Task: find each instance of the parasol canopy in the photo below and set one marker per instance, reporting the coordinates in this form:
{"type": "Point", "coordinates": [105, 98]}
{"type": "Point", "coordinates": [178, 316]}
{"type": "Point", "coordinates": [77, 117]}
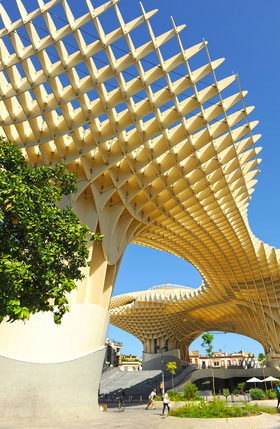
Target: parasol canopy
{"type": "Point", "coordinates": [254, 380]}
{"type": "Point", "coordinates": [270, 378]}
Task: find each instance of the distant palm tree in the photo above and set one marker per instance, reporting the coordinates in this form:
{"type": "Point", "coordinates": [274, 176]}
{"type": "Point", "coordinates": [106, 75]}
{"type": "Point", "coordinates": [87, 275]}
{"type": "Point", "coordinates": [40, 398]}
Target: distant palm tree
{"type": "Point", "coordinates": [262, 360]}
{"type": "Point", "coordinates": [207, 344]}
{"type": "Point", "coordinates": [171, 366]}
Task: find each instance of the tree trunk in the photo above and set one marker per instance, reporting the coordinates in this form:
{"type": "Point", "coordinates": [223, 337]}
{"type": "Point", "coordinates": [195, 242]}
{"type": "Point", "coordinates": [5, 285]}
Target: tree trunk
{"type": "Point", "coordinates": [264, 378]}
{"type": "Point", "coordinates": [213, 380]}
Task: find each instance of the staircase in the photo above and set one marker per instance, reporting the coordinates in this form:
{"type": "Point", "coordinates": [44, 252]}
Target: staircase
{"type": "Point", "coordinates": [137, 383]}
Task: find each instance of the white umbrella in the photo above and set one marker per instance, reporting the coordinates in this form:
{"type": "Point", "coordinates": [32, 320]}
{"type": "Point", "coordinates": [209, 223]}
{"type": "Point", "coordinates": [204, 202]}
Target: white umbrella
{"type": "Point", "coordinates": [271, 379]}
{"type": "Point", "coordinates": [254, 380]}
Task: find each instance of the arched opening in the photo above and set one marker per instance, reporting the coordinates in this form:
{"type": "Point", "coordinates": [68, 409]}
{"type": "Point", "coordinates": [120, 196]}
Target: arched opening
{"type": "Point", "coordinates": [227, 342]}
{"type": "Point", "coordinates": [140, 269]}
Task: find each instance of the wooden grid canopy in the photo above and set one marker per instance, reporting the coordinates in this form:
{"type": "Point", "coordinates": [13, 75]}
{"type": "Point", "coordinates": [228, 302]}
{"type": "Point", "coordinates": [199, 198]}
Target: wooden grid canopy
{"type": "Point", "coordinates": [163, 159]}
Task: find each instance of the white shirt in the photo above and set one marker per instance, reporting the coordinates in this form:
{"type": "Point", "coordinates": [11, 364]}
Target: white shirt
{"type": "Point", "coordinates": [166, 398]}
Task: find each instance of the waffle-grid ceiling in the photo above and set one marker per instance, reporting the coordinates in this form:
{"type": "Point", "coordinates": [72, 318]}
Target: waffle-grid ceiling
{"type": "Point", "coordinates": [156, 133]}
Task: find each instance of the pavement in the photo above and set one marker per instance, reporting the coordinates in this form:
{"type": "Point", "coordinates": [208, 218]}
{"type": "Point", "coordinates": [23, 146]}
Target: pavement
{"type": "Point", "coordinates": [136, 416]}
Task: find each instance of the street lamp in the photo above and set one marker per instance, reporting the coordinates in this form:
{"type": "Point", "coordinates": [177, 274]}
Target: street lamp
{"type": "Point", "coordinates": [162, 365]}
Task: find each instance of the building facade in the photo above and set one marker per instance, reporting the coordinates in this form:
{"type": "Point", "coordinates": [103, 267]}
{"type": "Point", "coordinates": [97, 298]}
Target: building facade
{"type": "Point", "coordinates": [224, 360]}
{"type": "Point", "coordinates": [129, 363]}
{"type": "Point", "coordinates": [112, 354]}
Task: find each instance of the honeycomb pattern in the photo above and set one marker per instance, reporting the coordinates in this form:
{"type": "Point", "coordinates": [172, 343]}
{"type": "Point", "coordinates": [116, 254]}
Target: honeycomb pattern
{"type": "Point", "coordinates": [163, 159]}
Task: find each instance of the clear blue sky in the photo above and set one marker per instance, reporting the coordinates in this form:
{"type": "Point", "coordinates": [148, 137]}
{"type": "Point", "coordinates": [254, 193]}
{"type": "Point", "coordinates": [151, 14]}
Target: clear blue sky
{"type": "Point", "coordinates": [246, 33]}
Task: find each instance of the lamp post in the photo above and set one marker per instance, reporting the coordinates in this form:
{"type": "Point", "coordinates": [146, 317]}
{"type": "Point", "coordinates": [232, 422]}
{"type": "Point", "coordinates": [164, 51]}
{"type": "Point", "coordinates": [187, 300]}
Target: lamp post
{"type": "Point", "coordinates": [162, 365]}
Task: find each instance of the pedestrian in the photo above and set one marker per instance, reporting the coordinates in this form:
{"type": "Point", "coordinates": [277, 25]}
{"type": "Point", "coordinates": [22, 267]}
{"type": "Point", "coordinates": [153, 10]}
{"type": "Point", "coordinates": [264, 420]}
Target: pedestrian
{"type": "Point", "coordinates": [165, 403]}
{"type": "Point", "coordinates": [152, 396]}
{"type": "Point", "coordinates": [122, 396]}
{"type": "Point", "coordinates": [278, 395]}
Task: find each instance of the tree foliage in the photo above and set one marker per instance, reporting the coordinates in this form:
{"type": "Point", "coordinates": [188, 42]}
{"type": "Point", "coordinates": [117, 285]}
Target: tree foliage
{"type": "Point", "coordinates": [42, 246]}
{"type": "Point", "coordinates": [207, 343]}
{"type": "Point", "coordinates": [190, 390]}
{"type": "Point", "coordinates": [171, 367]}
{"type": "Point", "coordinates": [262, 359]}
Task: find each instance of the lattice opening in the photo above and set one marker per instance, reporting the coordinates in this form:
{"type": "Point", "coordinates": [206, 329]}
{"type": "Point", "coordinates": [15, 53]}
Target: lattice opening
{"type": "Point", "coordinates": [120, 48]}
{"type": "Point", "coordinates": [111, 84]}
{"type": "Point", "coordinates": [100, 59]}
{"type": "Point", "coordinates": [130, 73]}
{"type": "Point", "coordinates": [140, 35]}
{"type": "Point", "coordinates": [58, 16]}
{"type": "Point", "coordinates": [150, 61]}
{"type": "Point", "coordinates": [8, 44]}
{"type": "Point", "coordinates": [89, 32]}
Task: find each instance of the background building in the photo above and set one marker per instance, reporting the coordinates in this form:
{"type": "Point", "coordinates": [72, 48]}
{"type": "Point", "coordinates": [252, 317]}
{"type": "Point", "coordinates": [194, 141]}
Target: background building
{"type": "Point", "coordinates": [221, 359]}
{"type": "Point", "coordinates": [129, 363]}
{"type": "Point", "coordinates": [112, 353]}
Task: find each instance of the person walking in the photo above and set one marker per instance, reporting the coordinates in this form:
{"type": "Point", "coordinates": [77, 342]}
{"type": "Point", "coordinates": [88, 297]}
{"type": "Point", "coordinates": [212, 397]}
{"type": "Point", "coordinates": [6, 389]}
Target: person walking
{"type": "Point", "coordinates": [165, 403]}
{"type": "Point", "coordinates": [278, 395]}
{"type": "Point", "coordinates": [152, 396]}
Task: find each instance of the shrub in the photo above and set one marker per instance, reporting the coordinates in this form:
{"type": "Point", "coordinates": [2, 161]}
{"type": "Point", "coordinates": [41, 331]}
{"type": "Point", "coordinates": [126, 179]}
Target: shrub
{"type": "Point", "coordinates": [175, 396]}
{"type": "Point", "coordinates": [226, 393]}
{"type": "Point", "coordinates": [262, 409]}
{"type": "Point", "coordinates": [159, 397]}
{"type": "Point", "coordinates": [218, 409]}
{"type": "Point", "coordinates": [236, 391]}
{"type": "Point", "coordinates": [190, 390]}
{"type": "Point", "coordinates": [270, 394]}
{"type": "Point", "coordinates": [257, 394]}
{"type": "Point", "coordinates": [241, 386]}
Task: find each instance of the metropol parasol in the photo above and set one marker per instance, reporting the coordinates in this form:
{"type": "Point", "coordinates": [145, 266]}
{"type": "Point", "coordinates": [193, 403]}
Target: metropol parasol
{"type": "Point", "coordinates": [162, 160]}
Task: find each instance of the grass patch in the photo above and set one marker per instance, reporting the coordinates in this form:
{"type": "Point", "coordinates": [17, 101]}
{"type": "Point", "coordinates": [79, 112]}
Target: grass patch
{"type": "Point", "coordinates": [219, 409]}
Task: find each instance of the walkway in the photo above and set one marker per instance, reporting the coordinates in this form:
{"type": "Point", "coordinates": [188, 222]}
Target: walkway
{"type": "Point", "coordinates": [137, 417]}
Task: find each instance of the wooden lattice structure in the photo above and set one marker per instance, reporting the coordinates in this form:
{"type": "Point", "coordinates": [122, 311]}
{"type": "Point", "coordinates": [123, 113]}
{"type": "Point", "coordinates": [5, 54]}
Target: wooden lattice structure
{"type": "Point", "coordinates": [162, 160]}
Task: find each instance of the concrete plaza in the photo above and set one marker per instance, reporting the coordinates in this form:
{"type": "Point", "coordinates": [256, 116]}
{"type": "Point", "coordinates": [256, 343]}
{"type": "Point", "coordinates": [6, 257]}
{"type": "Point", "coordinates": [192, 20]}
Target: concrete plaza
{"type": "Point", "coordinates": [136, 417]}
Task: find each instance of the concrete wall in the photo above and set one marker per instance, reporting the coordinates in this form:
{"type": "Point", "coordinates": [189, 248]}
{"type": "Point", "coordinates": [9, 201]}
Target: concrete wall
{"type": "Point", "coordinates": [49, 374]}
{"type": "Point", "coordinates": [154, 360]}
{"type": "Point", "coordinates": [273, 360]}
{"type": "Point", "coordinates": [40, 340]}
{"type": "Point", "coordinates": [37, 395]}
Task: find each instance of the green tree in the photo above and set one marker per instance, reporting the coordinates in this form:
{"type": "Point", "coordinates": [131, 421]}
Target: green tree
{"type": "Point", "coordinates": [171, 367]}
{"type": "Point", "coordinates": [262, 360]}
{"type": "Point", "coordinates": [190, 390]}
{"type": "Point", "coordinates": [207, 344]}
{"type": "Point", "coordinates": [257, 393]}
{"type": "Point", "coordinates": [226, 393]}
{"type": "Point", "coordinates": [241, 386]}
{"type": "Point", "coordinates": [42, 246]}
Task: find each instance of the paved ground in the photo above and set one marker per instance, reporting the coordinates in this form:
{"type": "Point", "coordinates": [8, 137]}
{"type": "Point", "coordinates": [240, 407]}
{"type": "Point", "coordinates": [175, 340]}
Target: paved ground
{"type": "Point", "coordinates": [136, 417]}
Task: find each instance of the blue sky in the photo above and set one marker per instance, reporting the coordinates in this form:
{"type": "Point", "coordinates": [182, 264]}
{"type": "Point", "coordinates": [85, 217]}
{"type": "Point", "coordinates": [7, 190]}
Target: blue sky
{"type": "Point", "coordinates": [246, 34]}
